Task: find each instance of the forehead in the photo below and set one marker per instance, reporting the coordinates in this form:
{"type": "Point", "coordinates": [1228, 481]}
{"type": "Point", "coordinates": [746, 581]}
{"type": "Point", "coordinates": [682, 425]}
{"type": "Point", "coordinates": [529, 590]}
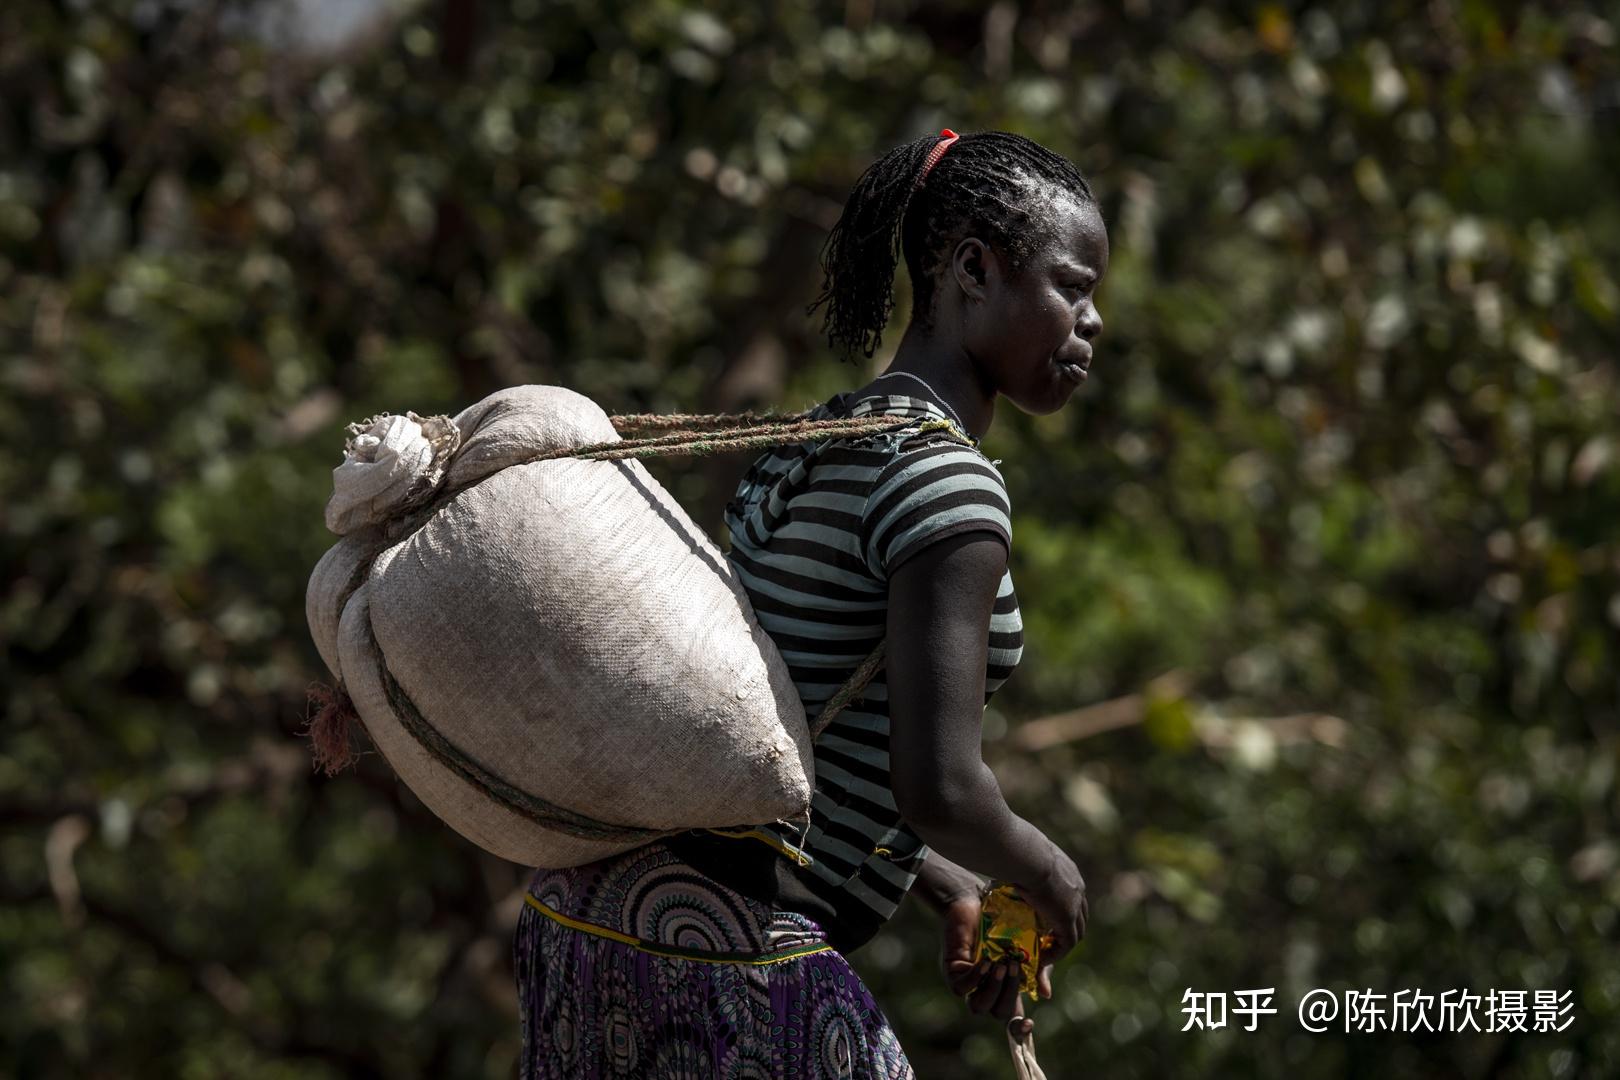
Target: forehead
{"type": "Point", "coordinates": [1074, 236]}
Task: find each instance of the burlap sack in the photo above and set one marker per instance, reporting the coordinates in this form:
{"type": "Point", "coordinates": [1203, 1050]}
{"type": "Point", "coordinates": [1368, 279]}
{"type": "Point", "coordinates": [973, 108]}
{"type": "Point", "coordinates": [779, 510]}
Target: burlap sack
{"type": "Point", "coordinates": [557, 661]}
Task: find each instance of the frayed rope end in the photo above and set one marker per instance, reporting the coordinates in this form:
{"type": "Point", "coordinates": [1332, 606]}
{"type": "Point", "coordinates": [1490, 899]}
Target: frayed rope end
{"type": "Point", "coordinates": [332, 728]}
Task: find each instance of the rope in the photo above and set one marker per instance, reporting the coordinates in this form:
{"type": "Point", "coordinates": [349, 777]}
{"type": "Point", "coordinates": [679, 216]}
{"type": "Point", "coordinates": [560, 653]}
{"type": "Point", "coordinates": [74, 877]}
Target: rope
{"type": "Point", "coordinates": [546, 814]}
{"type": "Point", "coordinates": [772, 433]}
{"type": "Point", "coordinates": [864, 673]}
{"type": "Point", "coordinates": [1022, 1046]}
{"type": "Point", "coordinates": [629, 422]}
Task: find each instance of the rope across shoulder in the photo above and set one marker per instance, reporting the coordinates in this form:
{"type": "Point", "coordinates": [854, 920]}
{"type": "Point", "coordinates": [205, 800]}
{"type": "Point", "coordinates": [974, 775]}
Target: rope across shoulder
{"type": "Point", "coordinates": [725, 433]}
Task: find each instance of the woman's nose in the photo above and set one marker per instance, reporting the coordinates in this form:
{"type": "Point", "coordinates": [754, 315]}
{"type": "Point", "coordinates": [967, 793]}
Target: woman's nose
{"type": "Point", "coordinates": [1090, 324]}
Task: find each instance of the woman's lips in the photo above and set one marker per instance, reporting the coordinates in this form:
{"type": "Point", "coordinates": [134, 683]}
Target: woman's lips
{"type": "Point", "coordinates": [1076, 363]}
{"type": "Point", "coordinates": [1076, 371]}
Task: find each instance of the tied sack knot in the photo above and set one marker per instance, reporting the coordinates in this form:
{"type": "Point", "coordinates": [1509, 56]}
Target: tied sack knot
{"type": "Point", "coordinates": [332, 728]}
{"type": "Point", "coordinates": [391, 464]}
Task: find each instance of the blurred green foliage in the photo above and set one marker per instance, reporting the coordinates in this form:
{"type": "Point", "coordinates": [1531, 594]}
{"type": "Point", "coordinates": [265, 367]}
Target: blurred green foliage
{"type": "Point", "coordinates": [1347, 476]}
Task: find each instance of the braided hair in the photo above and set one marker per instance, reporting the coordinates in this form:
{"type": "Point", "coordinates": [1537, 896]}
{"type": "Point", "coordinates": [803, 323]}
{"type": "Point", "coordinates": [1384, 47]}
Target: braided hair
{"type": "Point", "coordinates": [992, 184]}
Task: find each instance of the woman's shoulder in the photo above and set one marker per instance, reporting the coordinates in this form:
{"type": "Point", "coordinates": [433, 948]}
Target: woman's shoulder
{"type": "Point", "coordinates": [937, 455]}
{"type": "Point", "coordinates": [930, 489]}
{"type": "Point", "coordinates": [925, 459]}
{"type": "Point", "coordinates": [934, 435]}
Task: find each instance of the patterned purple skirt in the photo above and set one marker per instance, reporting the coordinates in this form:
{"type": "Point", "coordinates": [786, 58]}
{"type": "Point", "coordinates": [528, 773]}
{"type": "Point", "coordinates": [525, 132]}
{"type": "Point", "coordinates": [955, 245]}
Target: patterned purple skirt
{"type": "Point", "coordinates": [641, 966]}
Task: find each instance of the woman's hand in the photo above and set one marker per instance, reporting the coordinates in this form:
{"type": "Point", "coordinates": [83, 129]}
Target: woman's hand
{"type": "Point", "coordinates": [1059, 898]}
{"type": "Point", "coordinates": [988, 988]}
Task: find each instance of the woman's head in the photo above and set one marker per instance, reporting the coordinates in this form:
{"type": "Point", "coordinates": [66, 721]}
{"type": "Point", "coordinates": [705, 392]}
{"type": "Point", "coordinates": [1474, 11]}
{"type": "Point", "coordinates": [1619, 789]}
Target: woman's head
{"type": "Point", "coordinates": [1002, 240]}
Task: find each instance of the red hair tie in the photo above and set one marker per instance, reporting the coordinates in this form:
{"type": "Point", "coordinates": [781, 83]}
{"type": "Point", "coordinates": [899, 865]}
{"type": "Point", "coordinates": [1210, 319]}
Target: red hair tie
{"type": "Point", "coordinates": [946, 137]}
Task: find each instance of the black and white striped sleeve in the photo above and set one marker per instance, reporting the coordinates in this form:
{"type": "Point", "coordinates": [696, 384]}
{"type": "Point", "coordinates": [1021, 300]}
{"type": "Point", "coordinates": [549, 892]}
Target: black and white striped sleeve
{"type": "Point", "coordinates": [927, 494]}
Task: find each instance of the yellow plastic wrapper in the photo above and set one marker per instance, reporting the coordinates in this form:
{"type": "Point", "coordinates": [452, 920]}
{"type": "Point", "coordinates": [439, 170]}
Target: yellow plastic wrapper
{"type": "Point", "coordinates": [1009, 929]}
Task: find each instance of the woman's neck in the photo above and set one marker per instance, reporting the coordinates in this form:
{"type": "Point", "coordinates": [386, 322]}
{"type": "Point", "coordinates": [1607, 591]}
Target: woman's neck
{"type": "Point", "coordinates": [947, 370]}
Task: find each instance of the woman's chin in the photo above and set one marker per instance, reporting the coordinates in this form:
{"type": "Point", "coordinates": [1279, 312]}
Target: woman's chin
{"type": "Point", "coordinates": [1049, 401]}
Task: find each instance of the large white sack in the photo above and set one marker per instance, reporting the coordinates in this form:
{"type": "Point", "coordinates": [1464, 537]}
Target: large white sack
{"type": "Point", "coordinates": [557, 660]}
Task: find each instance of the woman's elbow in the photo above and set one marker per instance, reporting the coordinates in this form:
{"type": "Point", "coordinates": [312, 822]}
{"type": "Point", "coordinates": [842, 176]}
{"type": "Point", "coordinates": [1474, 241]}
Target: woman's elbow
{"type": "Point", "coordinates": [939, 802]}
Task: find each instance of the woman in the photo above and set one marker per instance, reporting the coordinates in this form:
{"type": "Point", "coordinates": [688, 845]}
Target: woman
{"type": "Point", "coordinates": [721, 954]}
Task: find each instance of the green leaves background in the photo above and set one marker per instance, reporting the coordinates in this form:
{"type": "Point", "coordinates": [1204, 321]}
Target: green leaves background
{"type": "Point", "coordinates": [1346, 471]}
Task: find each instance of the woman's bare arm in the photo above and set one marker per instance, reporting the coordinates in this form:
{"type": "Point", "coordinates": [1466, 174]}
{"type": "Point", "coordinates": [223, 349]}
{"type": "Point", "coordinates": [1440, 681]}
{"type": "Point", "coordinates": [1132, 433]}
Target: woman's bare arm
{"type": "Point", "coordinates": [938, 642]}
{"type": "Point", "coordinates": [940, 603]}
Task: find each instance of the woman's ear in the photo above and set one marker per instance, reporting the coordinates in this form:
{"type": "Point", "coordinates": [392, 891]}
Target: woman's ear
{"type": "Point", "coordinates": [969, 266]}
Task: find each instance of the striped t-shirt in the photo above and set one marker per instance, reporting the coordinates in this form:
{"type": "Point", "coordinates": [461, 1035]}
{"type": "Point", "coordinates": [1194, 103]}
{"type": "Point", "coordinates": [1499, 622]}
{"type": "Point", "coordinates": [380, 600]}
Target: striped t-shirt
{"type": "Point", "coordinates": [816, 530]}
